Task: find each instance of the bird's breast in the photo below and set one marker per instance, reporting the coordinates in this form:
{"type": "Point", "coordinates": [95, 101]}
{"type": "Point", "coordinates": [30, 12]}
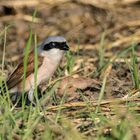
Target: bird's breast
{"type": "Point", "coordinates": [46, 70]}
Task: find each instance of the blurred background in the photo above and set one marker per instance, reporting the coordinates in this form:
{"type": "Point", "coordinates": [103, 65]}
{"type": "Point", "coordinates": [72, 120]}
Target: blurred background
{"type": "Point", "coordinates": [86, 24]}
{"type": "Point", "coordinates": [81, 22]}
{"type": "Point", "coordinates": [98, 32]}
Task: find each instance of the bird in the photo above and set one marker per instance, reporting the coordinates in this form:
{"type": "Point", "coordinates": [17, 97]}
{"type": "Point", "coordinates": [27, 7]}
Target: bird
{"type": "Point", "coordinates": [50, 53]}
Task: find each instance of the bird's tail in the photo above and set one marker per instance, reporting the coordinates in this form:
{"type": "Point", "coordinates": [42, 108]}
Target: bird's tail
{"type": "Point", "coordinates": [5, 93]}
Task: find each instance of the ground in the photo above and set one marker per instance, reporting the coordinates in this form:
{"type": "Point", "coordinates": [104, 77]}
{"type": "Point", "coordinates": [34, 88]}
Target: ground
{"type": "Point", "coordinates": [95, 92]}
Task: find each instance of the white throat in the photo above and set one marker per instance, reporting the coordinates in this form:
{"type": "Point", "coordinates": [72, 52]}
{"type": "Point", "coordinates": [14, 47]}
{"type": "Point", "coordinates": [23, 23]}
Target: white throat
{"type": "Point", "coordinates": [54, 55]}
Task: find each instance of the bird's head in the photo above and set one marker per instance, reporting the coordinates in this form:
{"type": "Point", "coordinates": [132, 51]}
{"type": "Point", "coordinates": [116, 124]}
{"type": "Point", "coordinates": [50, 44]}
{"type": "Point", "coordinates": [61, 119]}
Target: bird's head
{"type": "Point", "coordinates": [55, 45]}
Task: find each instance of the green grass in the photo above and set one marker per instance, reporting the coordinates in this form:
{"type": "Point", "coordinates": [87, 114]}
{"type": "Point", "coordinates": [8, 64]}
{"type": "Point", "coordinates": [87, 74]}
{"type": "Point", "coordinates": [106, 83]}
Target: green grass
{"type": "Point", "coordinates": [70, 62]}
{"type": "Point", "coordinates": [135, 70]}
{"type": "Point", "coordinates": [101, 51]}
{"type": "Point", "coordinates": [25, 62]}
{"type": "Point", "coordinates": [117, 119]}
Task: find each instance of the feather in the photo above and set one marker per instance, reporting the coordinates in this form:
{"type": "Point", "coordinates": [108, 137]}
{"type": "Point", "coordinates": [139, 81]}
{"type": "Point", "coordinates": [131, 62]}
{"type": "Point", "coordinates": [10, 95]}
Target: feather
{"type": "Point", "coordinates": [17, 75]}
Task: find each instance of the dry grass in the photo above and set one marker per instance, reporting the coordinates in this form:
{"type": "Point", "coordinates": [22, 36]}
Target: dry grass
{"type": "Point", "coordinates": [104, 40]}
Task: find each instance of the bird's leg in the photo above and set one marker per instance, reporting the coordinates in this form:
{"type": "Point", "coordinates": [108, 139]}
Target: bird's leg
{"type": "Point", "coordinates": [31, 96]}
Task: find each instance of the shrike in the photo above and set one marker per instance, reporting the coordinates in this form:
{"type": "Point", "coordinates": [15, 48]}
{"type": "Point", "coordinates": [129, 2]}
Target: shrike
{"type": "Point", "coordinates": [50, 53]}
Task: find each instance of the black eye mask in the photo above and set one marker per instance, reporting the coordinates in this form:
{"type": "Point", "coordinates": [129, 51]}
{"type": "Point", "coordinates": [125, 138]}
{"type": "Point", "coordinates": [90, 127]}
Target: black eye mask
{"type": "Point", "coordinates": [57, 45]}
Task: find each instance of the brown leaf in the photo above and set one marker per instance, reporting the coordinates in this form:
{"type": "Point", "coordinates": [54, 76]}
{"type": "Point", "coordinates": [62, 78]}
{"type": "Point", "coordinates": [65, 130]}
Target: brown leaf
{"type": "Point", "coordinates": [69, 85]}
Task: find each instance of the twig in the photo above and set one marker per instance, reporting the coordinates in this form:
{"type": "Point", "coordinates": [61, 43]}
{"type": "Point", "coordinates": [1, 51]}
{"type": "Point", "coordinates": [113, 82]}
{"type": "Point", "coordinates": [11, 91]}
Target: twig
{"type": "Point", "coordinates": [22, 17]}
{"type": "Point", "coordinates": [94, 104]}
{"type": "Point", "coordinates": [4, 46]}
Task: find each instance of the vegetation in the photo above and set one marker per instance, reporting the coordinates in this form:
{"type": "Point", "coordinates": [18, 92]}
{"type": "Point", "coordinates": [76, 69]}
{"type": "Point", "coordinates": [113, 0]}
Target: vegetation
{"type": "Point", "coordinates": [94, 94]}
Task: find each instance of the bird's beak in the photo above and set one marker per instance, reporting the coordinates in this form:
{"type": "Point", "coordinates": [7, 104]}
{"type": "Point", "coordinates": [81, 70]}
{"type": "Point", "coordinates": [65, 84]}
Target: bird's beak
{"type": "Point", "coordinates": [66, 47]}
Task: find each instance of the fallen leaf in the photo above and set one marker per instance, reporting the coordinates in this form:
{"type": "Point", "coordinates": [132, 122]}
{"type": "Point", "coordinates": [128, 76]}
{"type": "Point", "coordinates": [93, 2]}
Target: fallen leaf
{"type": "Point", "coordinates": [70, 85]}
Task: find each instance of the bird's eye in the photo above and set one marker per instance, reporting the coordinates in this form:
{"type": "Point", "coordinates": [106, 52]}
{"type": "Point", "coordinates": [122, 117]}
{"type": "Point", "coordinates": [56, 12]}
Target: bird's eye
{"type": "Point", "coordinates": [53, 44]}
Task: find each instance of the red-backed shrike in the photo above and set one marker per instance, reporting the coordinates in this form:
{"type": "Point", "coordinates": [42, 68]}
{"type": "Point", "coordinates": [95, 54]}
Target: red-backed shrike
{"type": "Point", "coordinates": [50, 53]}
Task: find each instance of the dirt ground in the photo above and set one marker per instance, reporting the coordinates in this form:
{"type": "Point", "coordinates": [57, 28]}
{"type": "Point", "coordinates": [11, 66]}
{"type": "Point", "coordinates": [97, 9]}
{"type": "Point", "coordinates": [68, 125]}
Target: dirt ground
{"type": "Point", "coordinates": [91, 28]}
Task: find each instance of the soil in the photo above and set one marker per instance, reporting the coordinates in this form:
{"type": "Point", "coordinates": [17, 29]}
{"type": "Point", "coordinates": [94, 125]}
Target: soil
{"type": "Point", "coordinates": [83, 24]}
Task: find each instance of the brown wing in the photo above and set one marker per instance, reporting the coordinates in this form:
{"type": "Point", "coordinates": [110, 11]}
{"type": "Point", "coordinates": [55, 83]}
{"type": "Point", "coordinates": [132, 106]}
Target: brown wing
{"type": "Point", "coordinates": [17, 75]}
